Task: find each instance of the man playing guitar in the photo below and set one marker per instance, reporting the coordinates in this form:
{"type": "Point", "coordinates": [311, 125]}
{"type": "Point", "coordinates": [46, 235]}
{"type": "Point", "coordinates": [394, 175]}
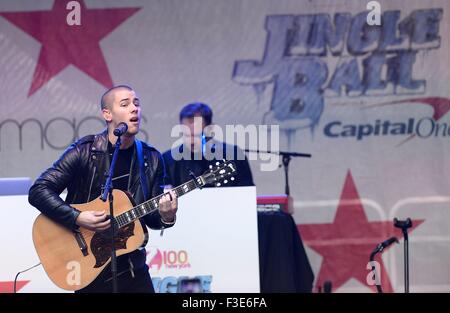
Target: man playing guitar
{"type": "Point", "coordinates": [81, 170]}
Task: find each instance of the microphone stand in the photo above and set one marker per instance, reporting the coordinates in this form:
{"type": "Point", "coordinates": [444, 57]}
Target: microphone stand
{"type": "Point", "coordinates": [404, 225]}
{"type": "Point", "coordinates": [286, 158]}
{"type": "Point", "coordinates": [107, 194]}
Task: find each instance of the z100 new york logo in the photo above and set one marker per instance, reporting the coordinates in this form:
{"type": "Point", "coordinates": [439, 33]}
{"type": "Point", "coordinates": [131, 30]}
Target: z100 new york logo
{"type": "Point", "coordinates": [175, 262]}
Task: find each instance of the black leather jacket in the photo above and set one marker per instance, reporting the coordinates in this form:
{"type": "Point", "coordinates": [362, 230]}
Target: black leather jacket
{"type": "Point", "coordinates": [81, 169]}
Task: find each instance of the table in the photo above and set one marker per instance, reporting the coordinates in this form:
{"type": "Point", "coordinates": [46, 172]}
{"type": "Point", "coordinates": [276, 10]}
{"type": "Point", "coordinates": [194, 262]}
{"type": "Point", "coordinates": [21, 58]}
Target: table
{"type": "Point", "coordinates": [283, 263]}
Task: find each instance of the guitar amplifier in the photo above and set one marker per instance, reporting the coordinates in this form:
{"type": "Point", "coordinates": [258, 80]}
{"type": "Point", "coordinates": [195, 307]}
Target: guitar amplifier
{"type": "Point", "coordinates": [273, 203]}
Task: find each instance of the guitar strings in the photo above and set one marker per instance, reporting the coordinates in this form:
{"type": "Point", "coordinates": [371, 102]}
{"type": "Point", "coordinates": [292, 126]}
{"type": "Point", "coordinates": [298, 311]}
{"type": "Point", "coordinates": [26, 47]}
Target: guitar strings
{"type": "Point", "coordinates": [88, 234]}
{"type": "Point", "coordinates": [179, 191]}
{"type": "Point", "coordinates": [91, 233]}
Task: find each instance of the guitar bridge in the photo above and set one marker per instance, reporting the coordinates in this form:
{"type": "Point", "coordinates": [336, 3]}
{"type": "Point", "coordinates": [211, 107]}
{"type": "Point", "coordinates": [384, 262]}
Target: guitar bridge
{"type": "Point", "coordinates": [81, 242]}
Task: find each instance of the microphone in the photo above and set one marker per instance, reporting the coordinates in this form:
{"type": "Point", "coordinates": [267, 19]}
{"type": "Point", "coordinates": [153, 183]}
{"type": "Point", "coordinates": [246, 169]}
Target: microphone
{"type": "Point", "coordinates": [380, 247]}
{"type": "Point", "coordinates": [120, 129]}
{"type": "Point", "coordinates": [388, 242]}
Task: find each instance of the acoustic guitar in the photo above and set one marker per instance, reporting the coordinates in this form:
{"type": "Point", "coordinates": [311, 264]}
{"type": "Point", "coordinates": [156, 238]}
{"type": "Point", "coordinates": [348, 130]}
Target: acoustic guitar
{"type": "Point", "coordinates": [73, 259]}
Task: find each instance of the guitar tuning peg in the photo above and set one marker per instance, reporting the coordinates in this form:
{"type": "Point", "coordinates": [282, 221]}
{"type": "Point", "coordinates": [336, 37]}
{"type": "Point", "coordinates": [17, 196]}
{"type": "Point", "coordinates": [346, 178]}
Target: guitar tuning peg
{"type": "Point", "coordinates": [217, 163]}
{"type": "Point", "coordinates": [218, 185]}
{"type": "Point", "coordinates": [210, 167]}
{"type": "Point", "coordinates": [225, 181]}
{"type": "Point", "coordinates": [232, 178]}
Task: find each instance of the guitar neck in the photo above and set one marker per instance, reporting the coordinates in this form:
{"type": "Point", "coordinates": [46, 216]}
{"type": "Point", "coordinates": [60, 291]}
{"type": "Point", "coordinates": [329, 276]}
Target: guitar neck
{"type": "Point", "coordinates": [152, 205]}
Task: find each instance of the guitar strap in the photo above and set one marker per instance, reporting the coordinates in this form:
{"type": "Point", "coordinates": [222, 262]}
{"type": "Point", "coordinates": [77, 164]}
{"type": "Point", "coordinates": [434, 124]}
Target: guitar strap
{"type": "Point", "coordinates": [140, 157]}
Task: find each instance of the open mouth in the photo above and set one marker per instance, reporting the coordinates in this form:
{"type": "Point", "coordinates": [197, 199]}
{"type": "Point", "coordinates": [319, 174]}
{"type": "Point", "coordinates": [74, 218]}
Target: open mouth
{"type": "Point", "coordinates": [134, 120]}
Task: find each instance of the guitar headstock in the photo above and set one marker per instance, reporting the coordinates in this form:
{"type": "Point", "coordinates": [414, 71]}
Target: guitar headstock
{"type": "Point", "coordinates": [220, 173]}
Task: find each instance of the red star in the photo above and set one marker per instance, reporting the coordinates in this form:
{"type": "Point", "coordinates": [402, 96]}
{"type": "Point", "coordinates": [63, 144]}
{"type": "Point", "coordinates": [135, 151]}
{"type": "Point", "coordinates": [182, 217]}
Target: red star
{"type": "Point", "coordinates": [8, 286]}
{"type": "Point", "coordinates": [346, 244]}
{"type": "Point", "coordinates": [63, 44]}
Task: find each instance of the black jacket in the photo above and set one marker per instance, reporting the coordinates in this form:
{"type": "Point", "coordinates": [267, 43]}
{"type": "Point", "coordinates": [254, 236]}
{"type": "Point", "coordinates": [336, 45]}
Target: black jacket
{"type": "Point", "coordinates": [178, 170]}
{"type": "Point", "coordinates": [81, 169]}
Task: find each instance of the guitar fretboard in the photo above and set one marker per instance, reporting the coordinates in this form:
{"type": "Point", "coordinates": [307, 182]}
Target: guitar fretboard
{"type": "Point", "coordinates": [152, 205]}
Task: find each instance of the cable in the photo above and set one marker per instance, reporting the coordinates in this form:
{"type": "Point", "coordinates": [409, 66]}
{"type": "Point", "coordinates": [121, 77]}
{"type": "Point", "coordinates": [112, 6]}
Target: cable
{"type": "Point", "coordinates": [17, 275]}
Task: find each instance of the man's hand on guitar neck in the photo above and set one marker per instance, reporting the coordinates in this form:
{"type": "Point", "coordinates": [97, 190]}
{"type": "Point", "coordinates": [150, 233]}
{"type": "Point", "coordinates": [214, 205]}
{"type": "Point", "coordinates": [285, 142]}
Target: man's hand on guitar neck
{"type": "Point", "coordinates": [168, 206]}
{"type": "Point", "coordinates": [99, 220]}
{"type": "Point", "coordinates": [93, 220]}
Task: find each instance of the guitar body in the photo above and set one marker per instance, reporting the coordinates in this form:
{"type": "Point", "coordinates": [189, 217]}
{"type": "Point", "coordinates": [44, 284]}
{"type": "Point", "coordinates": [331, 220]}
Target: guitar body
{"type": "Point", "coordinates": [72, 260]}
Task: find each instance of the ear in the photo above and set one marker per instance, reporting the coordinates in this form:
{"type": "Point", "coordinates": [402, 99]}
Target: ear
{"type": "Point", "coordinates": [107, 115]}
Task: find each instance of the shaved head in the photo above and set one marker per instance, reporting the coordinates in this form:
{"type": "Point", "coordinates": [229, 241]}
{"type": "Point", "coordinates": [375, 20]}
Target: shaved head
{"type": "Point", "coordinates": [120, 104]}
{"type": "Point", "coordinates": [108, 96]}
